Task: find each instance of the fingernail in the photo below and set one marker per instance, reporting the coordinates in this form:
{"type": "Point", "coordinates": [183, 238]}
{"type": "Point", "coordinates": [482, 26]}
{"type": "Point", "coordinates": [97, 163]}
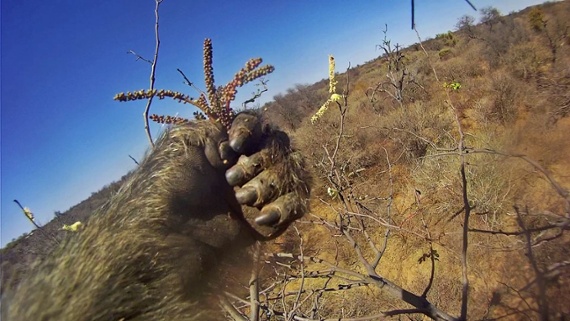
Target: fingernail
{"type": "Point", "coordinates": [238, 143]}
{"type": "Point", "coordinates": [246, 195]}
{"type": "Point", "coordinates": [234, 175]}
{"type": "Point", "coordinates": [268, 219]}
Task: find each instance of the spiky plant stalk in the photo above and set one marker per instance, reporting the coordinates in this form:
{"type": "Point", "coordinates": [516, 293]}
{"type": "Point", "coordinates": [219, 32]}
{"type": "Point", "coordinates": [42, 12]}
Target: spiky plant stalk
{"type": "Point", "coordinates": [215, 104]}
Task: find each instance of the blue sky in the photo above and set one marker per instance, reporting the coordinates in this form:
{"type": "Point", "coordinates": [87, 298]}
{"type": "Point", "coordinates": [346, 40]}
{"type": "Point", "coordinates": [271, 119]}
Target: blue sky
{"type": "Point", "coordinates": [62, 135]}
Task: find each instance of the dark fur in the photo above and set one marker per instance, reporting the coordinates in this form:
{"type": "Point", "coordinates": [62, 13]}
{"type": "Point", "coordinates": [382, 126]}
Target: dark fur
{"type": "Point", "coordinates": [150, 253]}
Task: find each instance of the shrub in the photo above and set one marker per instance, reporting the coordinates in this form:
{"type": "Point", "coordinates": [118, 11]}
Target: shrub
{"type": "Point", "coordinates": [536, 19]}
{"type": "Point", "coordinates": [448, 39]}
{"type": "Point", "coordinates": [505, 93]}
{"type": "Point", "coordinates": [413, 127]}
{"type": "Point", "coordinates": [444, 53]}
{"type": "Point", "coordinates": [527, 60]}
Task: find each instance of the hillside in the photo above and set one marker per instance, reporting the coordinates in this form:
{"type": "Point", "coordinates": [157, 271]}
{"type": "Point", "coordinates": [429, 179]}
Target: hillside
{"type": "Point", "coordinates": [458, 143]}
{"type": "Point", "coordinates": [390, 155]}
{"type": "Point", "coordinates": [18, 255]}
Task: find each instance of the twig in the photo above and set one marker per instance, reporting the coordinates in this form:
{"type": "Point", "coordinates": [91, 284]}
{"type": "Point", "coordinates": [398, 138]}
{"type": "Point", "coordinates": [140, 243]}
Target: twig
{"type": "Point", "coordinates": [30, 216]}
{"type": "Point", "coordinates": [254, 284]}
{"type": "Point", "coordinates": [139, 57]}
{"type": "Point", "coordinates": [152, 72]}
{"type": "Point", "coordinates": [257, 94]}
{"type": "Point", "coordinates": [296, 304]}
{"type": "Point", "coordinates": [134, 160]}
{"type": "Point", "coordinates": [189, 83]}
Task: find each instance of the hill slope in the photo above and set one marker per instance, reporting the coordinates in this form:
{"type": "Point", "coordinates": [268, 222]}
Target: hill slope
{"type": "Point", "coordinates": [474, 120]}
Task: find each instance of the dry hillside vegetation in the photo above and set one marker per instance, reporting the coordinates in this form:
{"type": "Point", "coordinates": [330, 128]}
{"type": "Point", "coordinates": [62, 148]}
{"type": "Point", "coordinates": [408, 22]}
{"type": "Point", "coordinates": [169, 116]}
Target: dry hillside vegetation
{"type": "Point", "coordinates": [441, 183]}
{"type": "Point", "coordinates": [477, 119]}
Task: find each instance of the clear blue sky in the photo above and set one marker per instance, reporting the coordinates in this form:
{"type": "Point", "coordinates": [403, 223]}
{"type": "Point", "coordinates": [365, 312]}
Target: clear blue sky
{"type": "Point", "coordinates": [63, 137]}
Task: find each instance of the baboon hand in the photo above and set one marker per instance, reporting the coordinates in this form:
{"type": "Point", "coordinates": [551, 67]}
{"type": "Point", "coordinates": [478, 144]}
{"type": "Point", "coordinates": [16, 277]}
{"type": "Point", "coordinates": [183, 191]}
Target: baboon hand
{"type": "Point", "coordinates": [270, 179]}
{"type": "Point", "coordinates": [165, 237]}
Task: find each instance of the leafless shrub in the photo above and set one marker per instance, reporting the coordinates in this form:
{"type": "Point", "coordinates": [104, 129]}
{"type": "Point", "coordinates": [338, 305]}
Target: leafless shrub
{"type": "Point", "coordinates": [398, 78]}
{"type": "Point", "coordinates": [505, 93]}
{"type": "Point", "coordinates": [417, 128]}
{"type": "Point", "coordinates": [526, 60]}
{"type": "Point", "coordinates": [557, 88]}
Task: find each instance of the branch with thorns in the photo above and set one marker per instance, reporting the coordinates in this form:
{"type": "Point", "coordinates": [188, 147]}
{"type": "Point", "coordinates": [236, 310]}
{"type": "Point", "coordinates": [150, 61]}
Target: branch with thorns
{"type": "Point", "coordinates": [215, 103]}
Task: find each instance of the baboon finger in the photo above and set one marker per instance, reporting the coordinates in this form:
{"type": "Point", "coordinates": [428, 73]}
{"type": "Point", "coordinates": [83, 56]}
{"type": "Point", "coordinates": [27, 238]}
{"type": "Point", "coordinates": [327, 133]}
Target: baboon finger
{"type": "Point", "coordinates": [227, 154]}
{"type": "Point", "coordinates": [245, 133]}
{"type": "Point", "coordinates": [243, 137]}
{"type": "Point", "coordinates": [245, 169]}
{"type": "Point", "coordinates": [260, 190]}
{"type": "Point", "coordinates": [286, 208]}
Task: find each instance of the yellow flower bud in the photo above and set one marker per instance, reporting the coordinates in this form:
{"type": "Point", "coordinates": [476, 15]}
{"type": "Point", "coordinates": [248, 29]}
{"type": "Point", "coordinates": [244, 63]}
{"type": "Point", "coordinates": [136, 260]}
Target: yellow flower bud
{"type": "Point", "coordinates": [336, 97]}
{"type": "Point", "coordinates": [73, 227]}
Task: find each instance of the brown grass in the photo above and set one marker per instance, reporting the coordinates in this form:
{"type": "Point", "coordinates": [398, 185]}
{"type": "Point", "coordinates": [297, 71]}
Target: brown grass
{"type": "Point", "coordinates": [508, 100]}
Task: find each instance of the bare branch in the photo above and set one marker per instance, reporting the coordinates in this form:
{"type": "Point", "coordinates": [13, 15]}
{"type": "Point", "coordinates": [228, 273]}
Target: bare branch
{"type": "Point", "coordinates": [139, 57]}
{"type": "Point", "coordinates": [153, 71]}
{"type": "Point", "coordinates": [254, 284]}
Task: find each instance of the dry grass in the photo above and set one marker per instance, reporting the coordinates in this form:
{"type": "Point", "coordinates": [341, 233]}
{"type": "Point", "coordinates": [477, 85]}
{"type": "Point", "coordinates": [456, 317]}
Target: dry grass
{"type": "Point", "coordinates": [399, 164]}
